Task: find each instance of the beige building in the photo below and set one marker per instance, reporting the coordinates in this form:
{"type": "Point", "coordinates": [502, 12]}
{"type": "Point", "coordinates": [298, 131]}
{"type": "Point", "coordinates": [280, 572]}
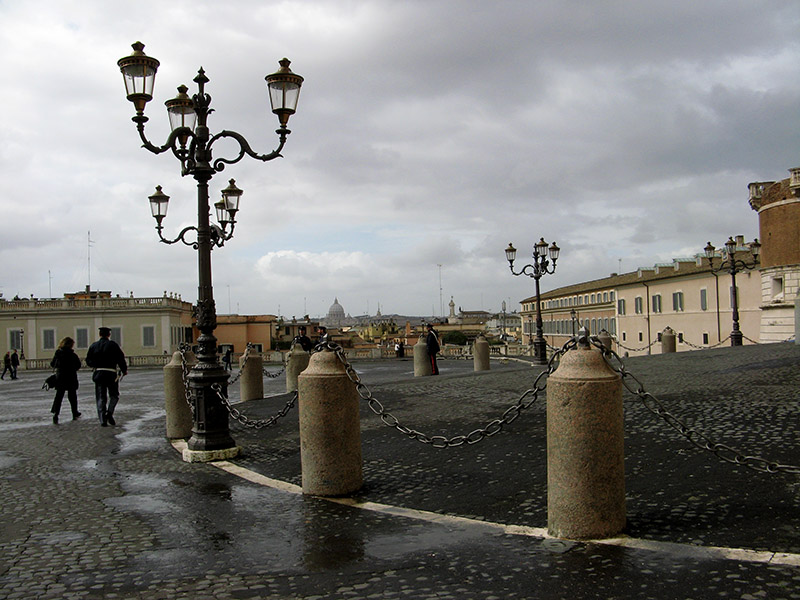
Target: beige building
{"type": "Point", "coordinates": [687, 295]}
{"type": "Point", "coordinates": [635, 308]}
{"type": "Point", "coordinates": [142, 326]}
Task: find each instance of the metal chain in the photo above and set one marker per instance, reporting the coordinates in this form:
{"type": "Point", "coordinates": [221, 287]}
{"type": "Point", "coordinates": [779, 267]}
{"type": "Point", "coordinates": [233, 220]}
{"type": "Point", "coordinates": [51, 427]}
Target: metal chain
{"type": "Point", "coordinates": [247, 421]}
{"type": "Point", "coordinates": [183, 348]}
{"type": "Point", "coordinates": [438, 441]}
{"type": "Point", "coordinates": [650, 345]}
{"type": "Point", "coordinates": [697, 438]}
{"type": "Point", "coordinates": [749, 340]}
{"type": "Point", "coordinates": [706, 347]}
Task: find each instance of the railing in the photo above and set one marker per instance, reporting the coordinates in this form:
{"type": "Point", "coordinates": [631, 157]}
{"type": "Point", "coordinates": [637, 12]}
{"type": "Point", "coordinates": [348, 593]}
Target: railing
{"type": "Point", "coordinates": [143, 362]}
{"type": "Point", "coordinates": [84, 303]}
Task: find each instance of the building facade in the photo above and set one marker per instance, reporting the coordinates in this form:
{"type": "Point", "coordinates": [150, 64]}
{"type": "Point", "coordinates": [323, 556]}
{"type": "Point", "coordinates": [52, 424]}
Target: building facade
{"type": "Point", "coordinates": [778, 206]}
{"type": "Point", "coordinates": [685, 295]}
{"type": "Point", "coordinates": [142, 326]}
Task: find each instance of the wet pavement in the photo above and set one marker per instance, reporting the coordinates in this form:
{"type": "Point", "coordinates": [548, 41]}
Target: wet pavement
{"type": "Point", "coordinates": [92, 512]}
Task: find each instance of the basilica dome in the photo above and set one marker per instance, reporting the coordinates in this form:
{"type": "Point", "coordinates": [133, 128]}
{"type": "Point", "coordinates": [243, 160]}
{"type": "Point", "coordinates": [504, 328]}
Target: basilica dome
{"type": "Point", "coordinates": [335, 312]}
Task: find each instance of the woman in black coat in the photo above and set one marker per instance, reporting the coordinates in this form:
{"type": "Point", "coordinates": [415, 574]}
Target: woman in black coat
{"type": "Point", "coordinates": [66, 363]}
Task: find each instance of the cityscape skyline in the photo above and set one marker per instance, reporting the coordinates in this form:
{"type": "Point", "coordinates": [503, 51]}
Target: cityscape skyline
{"type": "Point", "coordinates": [427, 137]}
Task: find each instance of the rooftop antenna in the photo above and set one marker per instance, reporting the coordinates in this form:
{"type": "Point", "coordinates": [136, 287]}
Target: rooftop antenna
{"type": "Point", "coordinates": [50, 282]}
{"type": "Point", "coordinates": [441, 304]}
{"type": "Point", "coordinates": [89, 259]}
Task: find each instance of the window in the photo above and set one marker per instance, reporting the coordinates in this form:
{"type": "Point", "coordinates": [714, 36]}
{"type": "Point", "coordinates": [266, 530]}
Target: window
{"type": "Point", "coordinates": [48, 339]}
{"type": "Point", "coordinates": [611, 296]}
{"type": "Point", "coordinates": [637, 305]}
{"type": "Point", "coordinates": [677, 301]}
{"type": "Point", "coordinates": [641, 337]}
{"type": "Point", "coordinates": [148, 336]}
{"type": "Point", "coordinates": [592, 298]}
{"type": "Point", "coordinates": [704, 299]}
{"type": "Point", "coordinates": [624, 336]}
{"type": "Point", "coordinates": [15, 339]}
{"type": "Point", "coordinates": [605, 296]}
{"type": "Point", "coordinates": [680, 337]}
{"type": "Point", "coordinates": [613, 326]}
{"type": "Point", "coordinates": [116, 334]}
{"type": "Point", "coordinates": [705, 338]}
{"type": "Point", "coordinates": [81, 337]}
{"type": "Point", "coordinates": [656, 303]}
{"type": "Point", "coordinates": [621, 306]}
{"type": "Point", "coordinates": [594, 326]}
{"type": "Point", "coordinates": [777, 288]}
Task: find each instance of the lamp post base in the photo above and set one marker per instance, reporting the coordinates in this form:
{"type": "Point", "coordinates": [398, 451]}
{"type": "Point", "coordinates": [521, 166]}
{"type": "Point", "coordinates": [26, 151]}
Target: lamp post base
{"type": "Point", "coordinates": [736, 338]}
{"type": "Point", "coordinates": [210, 432]}
{"type": "Point", "coordinates": [209, 455]}
{"type": "Point", "coordinates": [539, 351]}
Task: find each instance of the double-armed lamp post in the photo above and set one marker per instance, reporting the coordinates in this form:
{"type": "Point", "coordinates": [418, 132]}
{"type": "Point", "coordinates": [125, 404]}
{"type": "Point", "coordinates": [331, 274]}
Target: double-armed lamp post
{"type": "Point", "coordinates": [734, 265]}
{"type": "Point", "coordinates": [191, 143]}
{"type": "Point", "coordinates": [541, 265]}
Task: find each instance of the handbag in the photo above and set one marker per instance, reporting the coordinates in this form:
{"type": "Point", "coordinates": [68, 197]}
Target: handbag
{"type": "Point", "coordinates": [50, 382]}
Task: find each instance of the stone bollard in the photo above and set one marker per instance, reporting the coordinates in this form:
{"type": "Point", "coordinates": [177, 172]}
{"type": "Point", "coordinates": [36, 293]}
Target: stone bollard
{"type": "Point", "coordinates": [585, 448]}
{"type": "Point", "coordinates": [251, 379]}
{"type": "Point", "coordinates": [330, 433]}
{"type": "Point", "coordinates": [797, 319]}
{"type": "Point", "coordinates": [296, 363]}
{"type": "Point", "coordinates": [605, 338]}
{"type": "Point", "coordinates": [480, 354]}
{"type": "Point", "coordinates": [179, 412]}
{"type": "Point", "coordinates": [667, 340]}
{"type": "Point", "coordinates": [422, 361]}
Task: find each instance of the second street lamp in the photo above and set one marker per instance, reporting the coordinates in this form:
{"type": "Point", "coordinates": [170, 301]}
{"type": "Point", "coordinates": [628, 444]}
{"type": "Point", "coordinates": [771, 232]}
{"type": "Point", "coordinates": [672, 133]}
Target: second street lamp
{"type": "Point", "coordinates": [191, 143]}
{"type": "Point", "coordinates": [541, 265]}
{"type": "Point", "coordinates": [734, 265]}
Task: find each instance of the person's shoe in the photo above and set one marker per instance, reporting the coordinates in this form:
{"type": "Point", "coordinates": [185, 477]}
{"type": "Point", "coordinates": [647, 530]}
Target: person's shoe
{"type": "Point", "coordinates": [75, 416]}
{"type": "Point", "coordinates": [111, 420]}
{"type": "Point", "coordinates": [55, 419]}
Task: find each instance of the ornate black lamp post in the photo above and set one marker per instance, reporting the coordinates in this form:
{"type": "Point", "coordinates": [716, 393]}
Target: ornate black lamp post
{"type": "Point", "coordinates": [541, 265]}
{"type": "Point", "coordinates": [734, 265]}
{"type": "Point", "coordinates": [191, 143]}
{"type": "Point", "coordinates": [573, 315]}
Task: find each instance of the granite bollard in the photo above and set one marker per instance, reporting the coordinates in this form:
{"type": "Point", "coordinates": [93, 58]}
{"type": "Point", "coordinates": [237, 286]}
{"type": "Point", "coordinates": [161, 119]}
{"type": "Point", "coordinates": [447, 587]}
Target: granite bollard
{"type": "Point", "coordinates": [179, 412]}
{"type": "Point", "coordinates": [585, 448]}
{"type": "Point", "coordinates": [330, 430]}
{"type": "Point", "coordinates": [251, 378]}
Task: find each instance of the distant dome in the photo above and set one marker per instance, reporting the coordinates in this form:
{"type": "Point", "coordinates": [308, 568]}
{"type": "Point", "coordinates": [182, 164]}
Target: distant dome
{"type": "Point", "coordinates": [335, 312]}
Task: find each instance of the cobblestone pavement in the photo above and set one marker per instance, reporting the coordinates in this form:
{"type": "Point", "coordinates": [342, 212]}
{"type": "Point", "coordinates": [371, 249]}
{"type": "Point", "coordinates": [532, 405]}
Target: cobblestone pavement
{"type": "Point", "coordinates": [92, 512]}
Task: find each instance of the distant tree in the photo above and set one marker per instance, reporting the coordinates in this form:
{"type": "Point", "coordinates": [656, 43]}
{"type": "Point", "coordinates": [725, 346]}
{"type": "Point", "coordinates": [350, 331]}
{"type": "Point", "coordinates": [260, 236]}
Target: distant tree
{"type": "Point", "coordinates": [454, 337]}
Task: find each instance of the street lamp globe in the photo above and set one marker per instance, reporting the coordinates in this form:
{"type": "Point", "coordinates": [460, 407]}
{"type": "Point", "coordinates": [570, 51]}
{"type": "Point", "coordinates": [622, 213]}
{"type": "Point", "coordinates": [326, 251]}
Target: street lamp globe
{"type": "Point", "coordinates": [284, 91]}
{"type": "Point", "coordinates": [139, 73]}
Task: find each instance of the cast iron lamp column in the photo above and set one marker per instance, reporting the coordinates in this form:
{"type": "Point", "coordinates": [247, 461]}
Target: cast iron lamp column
{"type": "Point", "coordinates": [541, 266]}
{"type": "Point", "coordinates": [191, 143]}
{"type": "Point", "coordinates": [734, 265]}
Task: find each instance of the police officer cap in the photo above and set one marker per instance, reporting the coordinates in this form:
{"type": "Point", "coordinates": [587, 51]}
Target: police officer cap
{"type": "Point", "coordinates": [105, 331]}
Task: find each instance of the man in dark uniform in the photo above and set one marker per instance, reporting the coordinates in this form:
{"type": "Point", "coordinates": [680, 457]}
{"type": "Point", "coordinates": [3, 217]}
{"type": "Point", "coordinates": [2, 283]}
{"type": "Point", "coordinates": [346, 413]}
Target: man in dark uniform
{"type": "Point", "coordinates": [432, 342]}
{"type": "Point", "coordinates": [105, 357]}
{"type": "Point", "coordinates": [302, 339]}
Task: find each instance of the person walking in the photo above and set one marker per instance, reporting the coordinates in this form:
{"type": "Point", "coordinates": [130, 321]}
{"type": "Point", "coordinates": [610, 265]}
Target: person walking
{"type": "Point", "coordinates": [432, 343]}
{"type": "Point", "coordinates": [105, 357]}
{"type": "Point", "coordinates": [66, 363]}
{"type": "Point", "coordinates": [14, 363]}
{"type": "Point", "coordinates": [6, 365]}
{"type": "Point", "coordinates": [226, 359]}
{"type": "Point", "coordinates": [302, 339]}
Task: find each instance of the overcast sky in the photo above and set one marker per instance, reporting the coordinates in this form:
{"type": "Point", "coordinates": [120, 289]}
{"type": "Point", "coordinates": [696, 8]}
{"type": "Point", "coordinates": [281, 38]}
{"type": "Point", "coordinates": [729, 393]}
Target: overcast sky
{"type": "Point", "coordinates": [428, 133]}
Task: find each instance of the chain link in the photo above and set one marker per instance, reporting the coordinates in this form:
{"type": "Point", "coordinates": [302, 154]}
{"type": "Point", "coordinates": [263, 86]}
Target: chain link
{"type": "Point", "coordinates": [247, 421]}
{"type": "Point", "coordinates": [183, 348]}
{"type": "Point", "coordinates": [706, 347]}
{"type": "Point", "coordinates": [697, 438]}
{"type": "Point", "coordinates": [439, 441]}
{"type": "Point", "coordinates": [650, 345]}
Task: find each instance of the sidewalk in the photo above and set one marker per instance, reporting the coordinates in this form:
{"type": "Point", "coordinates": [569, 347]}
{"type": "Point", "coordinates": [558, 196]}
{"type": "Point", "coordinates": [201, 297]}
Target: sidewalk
{"type": "Point", "coordinates": [91, 512]}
